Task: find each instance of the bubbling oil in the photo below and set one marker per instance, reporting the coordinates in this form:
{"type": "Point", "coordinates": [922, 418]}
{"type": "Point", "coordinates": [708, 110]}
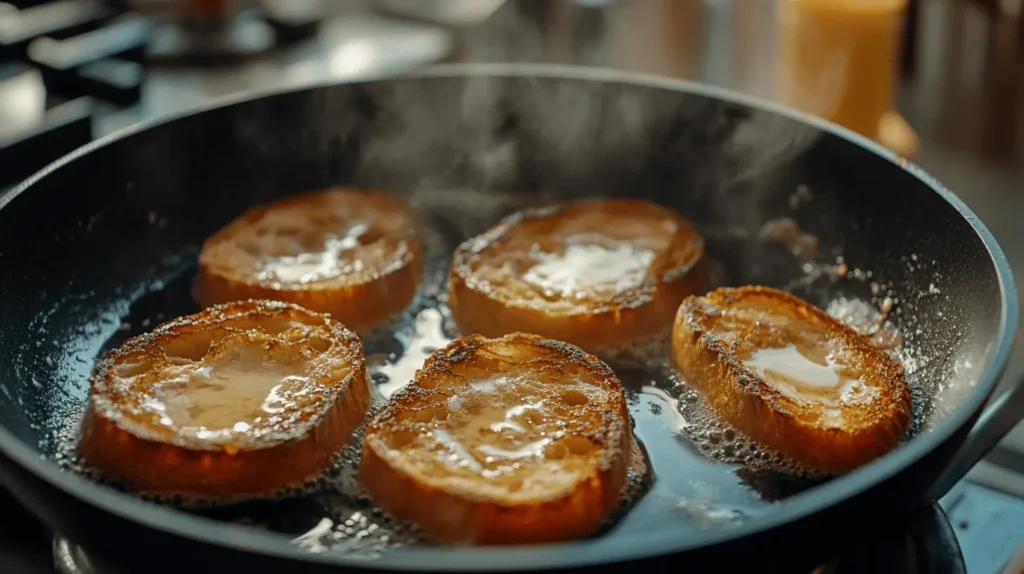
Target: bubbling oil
{"type": "Point", "coordinates": [690, 468]}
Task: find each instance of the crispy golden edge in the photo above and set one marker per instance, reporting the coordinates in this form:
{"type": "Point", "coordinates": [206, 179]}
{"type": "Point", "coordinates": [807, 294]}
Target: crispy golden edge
{"type": "Point", "coordinates": [359, 304]}
{"type": "Point", "coordinates": [477, 311]}
{"type": "Point", "coordinates": [763, 413]}
{"type": "Point", "coordinates": [120, 449]}
{"type": "Point", "coordinates": [461, 517]}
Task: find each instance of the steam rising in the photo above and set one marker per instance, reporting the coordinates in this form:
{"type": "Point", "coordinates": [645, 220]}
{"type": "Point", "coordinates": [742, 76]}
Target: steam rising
{"type": "Point", "coordinates": [501, 137]}
{"type": "Point", "coordinates": [520, 138]}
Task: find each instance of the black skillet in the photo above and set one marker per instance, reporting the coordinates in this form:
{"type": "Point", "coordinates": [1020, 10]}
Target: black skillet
{"type": "Point", "coordinates": [101, 245]}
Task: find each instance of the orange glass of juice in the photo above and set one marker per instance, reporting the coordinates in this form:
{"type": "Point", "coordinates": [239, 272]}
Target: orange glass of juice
{"type": "Point", "coordinates": [837, 58]}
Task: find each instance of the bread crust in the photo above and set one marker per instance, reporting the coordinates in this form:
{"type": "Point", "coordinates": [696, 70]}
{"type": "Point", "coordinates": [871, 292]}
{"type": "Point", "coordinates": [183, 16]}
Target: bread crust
{"type": "Point", "coordinates": [713, 339]}
{"type": "Point", "coordinates": [131, 434]}
{"type": "Point", "coordinates": [502, 441]}
{"type": "Point", "coordinates": [491, 291]}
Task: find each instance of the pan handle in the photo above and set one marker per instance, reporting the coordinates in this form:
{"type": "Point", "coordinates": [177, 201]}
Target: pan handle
{"type": "Point", "coordinates": [998, 419]}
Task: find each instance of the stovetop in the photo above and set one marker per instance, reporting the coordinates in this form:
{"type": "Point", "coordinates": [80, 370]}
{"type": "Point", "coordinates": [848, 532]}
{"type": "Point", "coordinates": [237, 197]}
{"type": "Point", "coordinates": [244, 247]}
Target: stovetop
{"type": "Point", "coordinates": [73, 70]}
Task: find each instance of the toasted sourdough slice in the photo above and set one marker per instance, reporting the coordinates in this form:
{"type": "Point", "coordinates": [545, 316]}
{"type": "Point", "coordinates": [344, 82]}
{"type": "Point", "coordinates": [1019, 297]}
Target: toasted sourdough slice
{"type": "Point", "coordinates": [790, 377]}
{"type": "Point", "coordinates": [237, 401]}
{"type": "Point", "coordinates": [352, 253]}
{"type": "Point", "coordinates": [594, 273]}
{"type": "Point", "coordinates": [502, 441]}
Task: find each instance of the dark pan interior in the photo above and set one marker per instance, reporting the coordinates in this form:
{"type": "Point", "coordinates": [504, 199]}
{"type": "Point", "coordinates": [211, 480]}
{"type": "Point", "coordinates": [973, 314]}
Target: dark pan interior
{"type": "Point", "coordinates": [104, 246]}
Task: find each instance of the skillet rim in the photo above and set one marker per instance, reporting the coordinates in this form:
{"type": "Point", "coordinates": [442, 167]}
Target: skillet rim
{"type": "Point", "coordinates": [587, 552]}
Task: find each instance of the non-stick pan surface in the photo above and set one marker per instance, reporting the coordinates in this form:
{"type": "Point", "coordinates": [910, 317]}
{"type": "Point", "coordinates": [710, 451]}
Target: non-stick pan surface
{"type": "Point", "coordinates": [102, 244]}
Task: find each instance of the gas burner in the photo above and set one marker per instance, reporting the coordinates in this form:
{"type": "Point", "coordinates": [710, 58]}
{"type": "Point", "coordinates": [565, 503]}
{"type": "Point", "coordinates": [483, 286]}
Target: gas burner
{"type": "Point", "coordinates": [928, 545]}
{"type": "Point", "coordinates": [73, 70]}
{"type": "Point", "coordinates": [234, 34]}
{"type": "Point", "coordinates": [241, 37]}
{"type": "Point", "coordinates": [103, 49]}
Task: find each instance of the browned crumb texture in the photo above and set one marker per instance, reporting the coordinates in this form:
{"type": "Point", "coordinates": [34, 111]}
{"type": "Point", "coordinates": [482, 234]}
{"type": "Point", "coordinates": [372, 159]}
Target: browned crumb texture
{"type": "Point", "coordinates": [130, 436]}
{"type": "Point", "coordinates": [493, 286]}
{"type": "Point", "coordinates": [352, 253]}
{"type": "Point", "coordinates": [502, 441]}
{"type": "Point", "coordinates": [713, 338]}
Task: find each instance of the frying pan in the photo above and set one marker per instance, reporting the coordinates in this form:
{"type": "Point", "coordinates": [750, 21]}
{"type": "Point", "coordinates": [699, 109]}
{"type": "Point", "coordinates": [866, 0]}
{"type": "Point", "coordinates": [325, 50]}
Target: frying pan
{"type": "Point", "coordinates": [102, 244]}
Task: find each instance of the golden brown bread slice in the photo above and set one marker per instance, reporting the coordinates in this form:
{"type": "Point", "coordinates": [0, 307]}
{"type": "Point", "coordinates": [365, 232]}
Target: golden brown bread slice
{"type": "Point", "coordinates": [351, 253]}
{"type": "Point", "coordinates": [237, 401]}
{"type": "Point", "coordinates": [790, 377]}
{"type": "Point", "coordinates": [502, 441]}
{"type": "Point", "coordinates": [593, 273]}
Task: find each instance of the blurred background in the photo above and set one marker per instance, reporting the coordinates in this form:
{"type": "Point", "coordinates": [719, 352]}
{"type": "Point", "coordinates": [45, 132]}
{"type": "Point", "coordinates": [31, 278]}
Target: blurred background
{"type": "Point", "coordinates": [940, 82]}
